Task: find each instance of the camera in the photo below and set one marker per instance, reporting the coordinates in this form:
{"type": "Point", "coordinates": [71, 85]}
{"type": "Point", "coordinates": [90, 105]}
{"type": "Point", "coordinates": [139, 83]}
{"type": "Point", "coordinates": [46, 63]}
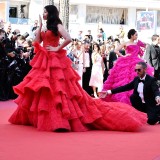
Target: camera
{"type": "Point", "coordinates": [25, 35]}
{"type": "Point", "coordinates": [16, 34]}
{"type": "Point", "coordinates": [19, 50]}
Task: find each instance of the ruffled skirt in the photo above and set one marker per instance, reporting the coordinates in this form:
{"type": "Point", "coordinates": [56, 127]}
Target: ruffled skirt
{"type": "Point", "coordinates": [50, 98]}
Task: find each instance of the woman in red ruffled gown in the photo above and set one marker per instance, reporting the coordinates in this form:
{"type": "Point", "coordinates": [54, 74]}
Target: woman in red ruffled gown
{"type": "Point", "coordinates": [50, 97]}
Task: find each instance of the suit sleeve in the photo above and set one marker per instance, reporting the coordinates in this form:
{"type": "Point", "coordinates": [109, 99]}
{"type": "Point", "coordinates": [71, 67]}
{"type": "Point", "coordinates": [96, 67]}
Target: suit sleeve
{"type": "Point", "coordinates": [155, 88]}
{"type": "Point", "coordinates": [148, 55]}
{"type": "Point", "coordinates": [124, 88]}
{"type": "Point", "coordinates": [8, 47]}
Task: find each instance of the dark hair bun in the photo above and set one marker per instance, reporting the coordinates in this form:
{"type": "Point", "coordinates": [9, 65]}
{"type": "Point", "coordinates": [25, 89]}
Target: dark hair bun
{"type": "Point", "coordinates": [131, 33]}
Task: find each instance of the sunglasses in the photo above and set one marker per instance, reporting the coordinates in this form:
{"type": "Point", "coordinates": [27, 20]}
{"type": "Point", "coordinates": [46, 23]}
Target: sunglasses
{"type": "Point", "coordinates": [137, 70]}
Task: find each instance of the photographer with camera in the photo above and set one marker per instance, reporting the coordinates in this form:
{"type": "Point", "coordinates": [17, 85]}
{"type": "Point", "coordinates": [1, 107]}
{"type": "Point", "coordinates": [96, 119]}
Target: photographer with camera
{"type": "Point", "coordinates": [11, 43]}
{"type": "Point", "coordinates": [14, 50]}
{"type": "Point", "coordinates": [14, 62]}
{"type": "Point", "coordinates": [13, 71]}
{"type": "Point", "coordinates": [3, 67]}
{"type": "Point", "coordinates": [19, 66]}
{"type": "Point", "coordinates": [25, 52]}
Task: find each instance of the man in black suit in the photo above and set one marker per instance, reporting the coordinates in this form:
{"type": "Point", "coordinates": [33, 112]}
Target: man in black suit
{"type": "Point", "coordinates": [111, 59]}
{"type": "Point", "coordinates": [146, 95]}
{"type": "Point", "coordinates": [152, 56]}
{"type": "Point", "coordinates": [4, 62]}
{"type": "Point", "coordinates": [87, 68]}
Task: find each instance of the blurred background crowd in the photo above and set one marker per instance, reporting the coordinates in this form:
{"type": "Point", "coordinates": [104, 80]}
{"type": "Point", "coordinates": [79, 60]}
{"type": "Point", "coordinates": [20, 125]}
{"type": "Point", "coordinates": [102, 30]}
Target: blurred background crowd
{"type": "Point", "coordinates": [92, 58]}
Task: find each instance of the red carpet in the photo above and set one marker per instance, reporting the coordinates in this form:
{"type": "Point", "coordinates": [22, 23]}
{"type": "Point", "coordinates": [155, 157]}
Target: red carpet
{"type": "Point", "coordinates": [26, 143]}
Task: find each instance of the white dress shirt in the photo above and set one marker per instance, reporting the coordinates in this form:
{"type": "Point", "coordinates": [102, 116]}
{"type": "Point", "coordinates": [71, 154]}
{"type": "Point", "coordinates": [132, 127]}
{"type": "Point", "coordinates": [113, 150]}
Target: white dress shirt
{"type": "Point", "coordinates": [87, 60]}
{"type": "Point", "coordinates": [140, 89]}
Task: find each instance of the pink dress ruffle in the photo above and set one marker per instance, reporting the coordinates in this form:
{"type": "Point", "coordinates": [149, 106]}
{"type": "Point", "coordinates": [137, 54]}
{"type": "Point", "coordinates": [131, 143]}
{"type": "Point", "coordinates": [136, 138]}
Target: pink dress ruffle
{"type": "Point", "coordinates": [123, 72]}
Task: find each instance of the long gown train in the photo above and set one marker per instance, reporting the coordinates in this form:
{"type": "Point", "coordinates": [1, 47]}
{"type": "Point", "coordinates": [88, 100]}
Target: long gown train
{"type": "Point", "coordinates": [50, 98]}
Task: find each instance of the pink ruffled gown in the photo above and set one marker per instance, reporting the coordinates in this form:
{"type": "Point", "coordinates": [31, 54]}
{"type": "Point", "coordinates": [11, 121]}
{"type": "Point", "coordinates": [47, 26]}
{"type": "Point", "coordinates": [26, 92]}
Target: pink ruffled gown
{"type": "Point", "coordinates": [50, 98]}
{"type": "Point", "coordinates": [123, 72]}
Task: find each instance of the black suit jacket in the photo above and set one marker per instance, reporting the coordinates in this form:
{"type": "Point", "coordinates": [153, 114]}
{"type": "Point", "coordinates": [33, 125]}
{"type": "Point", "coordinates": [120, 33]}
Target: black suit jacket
{"type": "Point", "coordinates": [112, 58]}
{"type": "Point", "coordinates": [150, 90]}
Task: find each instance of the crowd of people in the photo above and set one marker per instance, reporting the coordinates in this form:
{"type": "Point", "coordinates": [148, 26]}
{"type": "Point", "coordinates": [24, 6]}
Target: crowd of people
{"type": "Point", "coordinates": [16, 51]}
{"type": "Point", "coordinates": [93, 58]}
{"type": "Point", "coordinates": [51, 96]}
{"type": "Point", "coordinates": [113, 70]}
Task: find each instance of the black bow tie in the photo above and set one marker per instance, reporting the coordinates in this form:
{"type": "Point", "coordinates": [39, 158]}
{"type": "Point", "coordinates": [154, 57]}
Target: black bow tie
{"type": "Point", "coordinates": [139, 80]}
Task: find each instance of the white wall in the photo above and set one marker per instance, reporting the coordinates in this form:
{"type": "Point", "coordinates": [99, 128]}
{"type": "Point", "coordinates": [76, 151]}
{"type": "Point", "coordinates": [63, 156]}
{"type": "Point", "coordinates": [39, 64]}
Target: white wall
{"type": "Point", "coordinates": [35, 8]}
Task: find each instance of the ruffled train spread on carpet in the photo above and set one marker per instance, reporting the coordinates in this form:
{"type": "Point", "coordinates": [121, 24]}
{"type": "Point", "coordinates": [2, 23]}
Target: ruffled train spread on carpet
{"type": "Point", "coordinates": [50, 98]}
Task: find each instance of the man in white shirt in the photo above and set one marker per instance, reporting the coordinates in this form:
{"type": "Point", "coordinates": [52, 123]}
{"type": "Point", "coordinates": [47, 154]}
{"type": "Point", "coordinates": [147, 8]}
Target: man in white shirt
{"type": "Point", "coordinates": [146, 95]}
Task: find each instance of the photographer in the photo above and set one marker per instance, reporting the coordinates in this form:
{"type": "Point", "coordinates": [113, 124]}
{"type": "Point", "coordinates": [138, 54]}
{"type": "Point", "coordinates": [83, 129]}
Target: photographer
{"type": "Point", "coordinates": [13, 71]}
{"type": "Point", "coordinates": [3, 67]}
{"type": "Point", "coordinates": [19, 66]}
{"type": "Point", "coordinates": [10, 44]}
{"type": "Point", "coordinates": [14, 62]}
{"type": "Point", "coordinates": [14, 49]}
{"type": "Point", "coordinates": [26, 49]}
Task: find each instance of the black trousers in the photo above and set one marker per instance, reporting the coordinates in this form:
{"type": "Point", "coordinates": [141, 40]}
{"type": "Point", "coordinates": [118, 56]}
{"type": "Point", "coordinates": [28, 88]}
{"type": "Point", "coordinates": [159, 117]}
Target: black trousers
{"type": "Point", "coordinates": [85, 81]}
{"type": "Point", "coordinates": [153, 112]}
{"type": "Point", "coordinates": [157, 73]}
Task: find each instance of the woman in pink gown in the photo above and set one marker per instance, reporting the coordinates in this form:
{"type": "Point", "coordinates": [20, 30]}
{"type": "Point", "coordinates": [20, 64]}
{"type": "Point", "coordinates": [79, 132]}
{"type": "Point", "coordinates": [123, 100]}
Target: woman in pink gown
{"type": "Point", "coordinates": [50, 97]}
{"type": "Point", "coordinates": [123, 70]}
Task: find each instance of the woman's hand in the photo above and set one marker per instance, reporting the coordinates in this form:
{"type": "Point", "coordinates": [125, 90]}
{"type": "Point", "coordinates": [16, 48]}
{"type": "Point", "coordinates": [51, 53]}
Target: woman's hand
{"type": "Point", "coordinates": [50, 48]}
{"type": "Point", "coordinates": [102, 94]}
{"type": "Point", "coordinates": [26, 54]}
{"type": "Point", "coordinates": [126, 55]}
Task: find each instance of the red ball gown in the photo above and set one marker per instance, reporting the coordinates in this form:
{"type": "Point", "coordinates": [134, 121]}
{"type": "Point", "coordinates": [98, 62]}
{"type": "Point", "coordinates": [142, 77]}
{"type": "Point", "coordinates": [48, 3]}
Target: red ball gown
{"type": "Point", "coordinates": [50, 98]}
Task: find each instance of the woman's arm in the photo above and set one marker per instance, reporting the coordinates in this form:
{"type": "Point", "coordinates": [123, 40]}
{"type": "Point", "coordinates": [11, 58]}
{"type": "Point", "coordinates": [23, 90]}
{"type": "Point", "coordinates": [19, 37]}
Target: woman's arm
{"type": "Point", "coordinates": [119, 48]}
{"type": "Point", "coordinates": [103, 67]}
{"type": "Point", "coordinates": [75, 53]}
{"type": "Point", "coordinates": [38, 31]}
{"type": "Point", "coordinates": [94, 57]}
{"type": "Point", "coordinates": [65, 35]}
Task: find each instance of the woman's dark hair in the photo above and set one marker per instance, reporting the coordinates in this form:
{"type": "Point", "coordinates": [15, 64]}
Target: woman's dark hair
{"type": "Point", "coordinates": [53, 19]}
{"type": "Point", "coordinates": [116, 40]}
{"type": "Point", "coordinates": [131, 33]}
{"type": "Point", "coordinates": [95, 44]}
{"type": "Point", "coordinates": [101, 30]}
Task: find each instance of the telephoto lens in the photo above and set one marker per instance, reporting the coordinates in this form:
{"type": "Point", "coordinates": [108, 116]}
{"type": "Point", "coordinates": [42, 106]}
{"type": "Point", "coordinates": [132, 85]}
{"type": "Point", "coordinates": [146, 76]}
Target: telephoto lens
{"type": "Point", "coordinates": [25, 35]}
